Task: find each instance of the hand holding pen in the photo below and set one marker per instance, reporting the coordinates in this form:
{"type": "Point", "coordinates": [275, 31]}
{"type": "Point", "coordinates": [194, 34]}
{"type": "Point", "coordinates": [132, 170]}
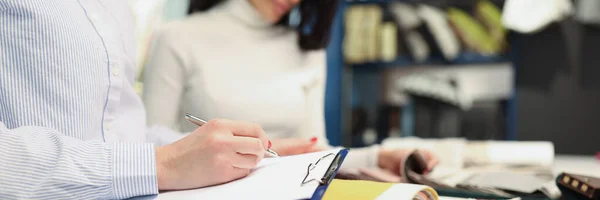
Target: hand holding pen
{"type": "Point", "coordinates": [219, 151]}
{"type": "Point", "coordinates": [200, 122]}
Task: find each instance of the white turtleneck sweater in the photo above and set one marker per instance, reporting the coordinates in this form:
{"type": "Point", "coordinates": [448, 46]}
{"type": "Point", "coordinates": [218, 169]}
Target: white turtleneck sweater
{"type": "Point", "coordinates": [231, 63]}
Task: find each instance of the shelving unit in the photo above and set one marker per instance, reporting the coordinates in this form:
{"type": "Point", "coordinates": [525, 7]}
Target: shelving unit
{"type": "Point", "coordinates": [463, 58]}
{"type": "Point", "coordinates": [338, 99]}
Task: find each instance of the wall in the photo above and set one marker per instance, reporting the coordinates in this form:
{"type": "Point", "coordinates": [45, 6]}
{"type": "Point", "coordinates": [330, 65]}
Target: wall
{"type": "Point", "coordinates": [558, 97]}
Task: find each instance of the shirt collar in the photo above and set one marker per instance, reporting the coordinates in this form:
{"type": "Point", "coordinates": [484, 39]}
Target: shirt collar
{"type": "Point", "coordinates": [245, 12]}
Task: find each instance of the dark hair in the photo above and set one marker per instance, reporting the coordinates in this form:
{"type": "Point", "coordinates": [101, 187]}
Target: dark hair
{"type": "Point", "coordinates": [314, 28]}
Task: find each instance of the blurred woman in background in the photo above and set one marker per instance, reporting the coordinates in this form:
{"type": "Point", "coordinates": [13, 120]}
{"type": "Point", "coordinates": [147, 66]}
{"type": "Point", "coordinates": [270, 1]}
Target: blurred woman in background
{"type": "Point", "coordinates": [241, 59]}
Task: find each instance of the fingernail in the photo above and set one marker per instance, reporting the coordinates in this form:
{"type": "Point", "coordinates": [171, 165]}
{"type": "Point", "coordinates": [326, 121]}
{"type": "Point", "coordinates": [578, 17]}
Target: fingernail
{"type": "Point", "coordinates": [313, 139]}
{"type": "Point", "coordinates": [268, 147]}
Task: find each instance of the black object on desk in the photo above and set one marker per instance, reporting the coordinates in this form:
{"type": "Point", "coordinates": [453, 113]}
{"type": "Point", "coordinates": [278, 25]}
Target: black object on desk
{"type": "Point", "coordinates": [575, 186]}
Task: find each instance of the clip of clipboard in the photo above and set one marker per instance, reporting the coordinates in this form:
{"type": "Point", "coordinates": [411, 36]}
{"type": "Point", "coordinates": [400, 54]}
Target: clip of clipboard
{"type": "Point", "coordinates": [329, 174]}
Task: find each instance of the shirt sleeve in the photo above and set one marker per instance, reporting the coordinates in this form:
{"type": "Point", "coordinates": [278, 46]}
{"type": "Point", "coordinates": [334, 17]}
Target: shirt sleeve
{"type": "Point", "coordinates": [40, 163]}
{"type": "Point", "coordinates": [164, 82]}
{"type": "Point", "coordinates": [366, 157]}
{"type": "Point", "coordinates": [314, 123]}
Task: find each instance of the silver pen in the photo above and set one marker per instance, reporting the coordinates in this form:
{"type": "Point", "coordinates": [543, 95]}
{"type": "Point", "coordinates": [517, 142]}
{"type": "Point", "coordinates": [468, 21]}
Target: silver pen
{"type": "Point", "coordinates": [195, 120]}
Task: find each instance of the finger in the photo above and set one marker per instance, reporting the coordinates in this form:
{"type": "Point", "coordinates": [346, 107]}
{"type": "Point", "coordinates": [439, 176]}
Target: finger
{"type": "Point", "coordinates": [248, 145]}
{"type": "Point", "coordinates": [292, 146]}
{"type": "Point", "coordinates": [245, 129]}
{"type": "Point", "coordinates": [316, 148]}
{"type": "Point", "coordinates": [244, 161]}
{"type": "Point", "coordinates": [432, 160]}
{"type": "Point", "coordinates": [237, 173]}
{"type": "Point", "coordinates": [299, 147]}
{"type": "Point", "coordinates": [430, 155]}
{"type": "Point", "coordinates": [432, 163]}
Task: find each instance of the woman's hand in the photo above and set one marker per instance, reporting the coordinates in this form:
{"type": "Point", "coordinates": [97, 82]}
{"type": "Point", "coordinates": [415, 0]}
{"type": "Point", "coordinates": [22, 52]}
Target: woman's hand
{"type": "Point", "coordinates": [293, 146]}
{"type": "Point", "coordinates": [218, 152]}
{"type": "Point", "coordinates": [390, 159]}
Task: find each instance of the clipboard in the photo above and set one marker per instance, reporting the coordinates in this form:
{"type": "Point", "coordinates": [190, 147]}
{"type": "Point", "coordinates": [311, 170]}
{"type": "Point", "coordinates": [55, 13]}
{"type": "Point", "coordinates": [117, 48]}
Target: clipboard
{"type": "Point", "coordinates": [330, 174]}
{"type": "Point", "coordinates": [286, 177]}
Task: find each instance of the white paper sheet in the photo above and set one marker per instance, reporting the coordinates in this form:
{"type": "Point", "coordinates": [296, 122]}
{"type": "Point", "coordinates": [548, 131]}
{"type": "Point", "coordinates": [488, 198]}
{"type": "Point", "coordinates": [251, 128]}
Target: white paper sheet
{"type": "Point", "coordinates": [273, 178]}
{"type": "Point", "coordinates": [508, 181]}
{"type": "Point", "coordinates": [521, 153]}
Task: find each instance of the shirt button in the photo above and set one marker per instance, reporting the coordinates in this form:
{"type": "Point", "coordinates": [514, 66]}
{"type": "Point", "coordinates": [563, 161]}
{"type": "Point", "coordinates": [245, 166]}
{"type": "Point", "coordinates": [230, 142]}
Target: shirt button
{"type": "Point", "coordinates": [107, 127]}
{"type": "Point", "coordinates": [115, 71]}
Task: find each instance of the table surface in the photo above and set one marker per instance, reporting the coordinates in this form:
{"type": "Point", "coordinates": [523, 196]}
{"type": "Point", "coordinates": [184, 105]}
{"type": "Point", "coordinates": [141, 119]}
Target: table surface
{"type": "Point", "coordinates": [583, 165]}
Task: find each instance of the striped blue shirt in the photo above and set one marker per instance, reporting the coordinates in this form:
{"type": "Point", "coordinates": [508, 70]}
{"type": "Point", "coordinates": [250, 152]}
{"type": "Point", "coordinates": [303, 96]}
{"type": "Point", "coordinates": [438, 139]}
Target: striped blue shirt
{"type": "Point", "coordinates": [71, 124]}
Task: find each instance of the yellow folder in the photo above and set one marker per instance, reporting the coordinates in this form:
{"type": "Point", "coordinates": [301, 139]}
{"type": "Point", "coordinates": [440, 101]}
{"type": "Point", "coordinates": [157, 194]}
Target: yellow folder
{"type": "Point", "coordinates": [362, 190]}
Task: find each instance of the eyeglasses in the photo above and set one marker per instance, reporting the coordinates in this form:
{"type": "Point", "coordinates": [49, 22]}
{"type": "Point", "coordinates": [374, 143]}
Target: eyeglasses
{"type": "Point", "coordinates": [312, 166]}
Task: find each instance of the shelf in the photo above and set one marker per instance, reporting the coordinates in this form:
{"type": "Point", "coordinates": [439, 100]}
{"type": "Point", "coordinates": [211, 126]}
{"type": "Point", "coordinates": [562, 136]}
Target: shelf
{"type": "Point", "coordinates": [475, 58]}
{"type": "Point", "coordinates": [377, 1]}
{"type": "Point", "coordinates": [399, 62]}
{"type": "Point", "coordinates": [467, 3]}
{"type": "Point", "coordinates": [462, 59]}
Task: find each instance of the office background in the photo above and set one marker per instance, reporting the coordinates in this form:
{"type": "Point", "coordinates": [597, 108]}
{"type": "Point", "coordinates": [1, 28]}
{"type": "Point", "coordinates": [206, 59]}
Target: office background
{"type": "Point", "coordinates": [552, 75]}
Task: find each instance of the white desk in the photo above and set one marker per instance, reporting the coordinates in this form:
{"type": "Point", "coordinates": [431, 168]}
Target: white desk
{"type": "Point", "coordinates": [583, 165]}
